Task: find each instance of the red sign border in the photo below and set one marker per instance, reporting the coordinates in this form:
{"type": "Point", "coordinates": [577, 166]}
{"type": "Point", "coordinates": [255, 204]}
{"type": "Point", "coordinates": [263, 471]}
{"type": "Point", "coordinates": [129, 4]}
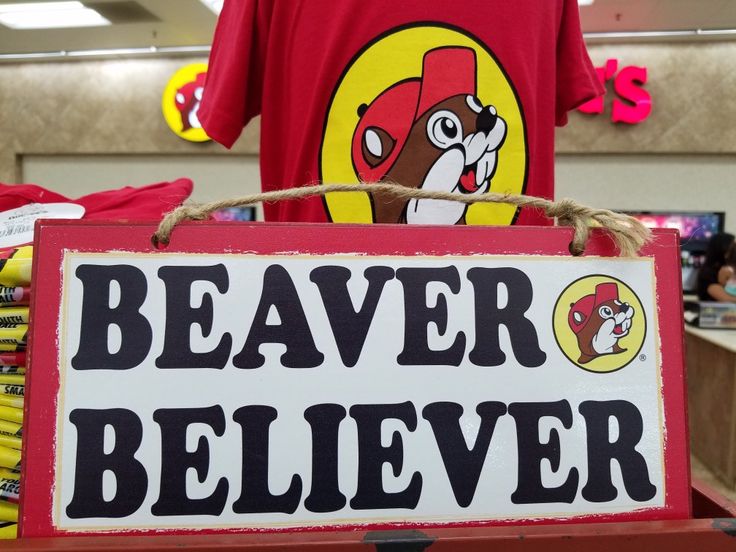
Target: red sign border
{"type": "Point", "coordinates": [54, 238]}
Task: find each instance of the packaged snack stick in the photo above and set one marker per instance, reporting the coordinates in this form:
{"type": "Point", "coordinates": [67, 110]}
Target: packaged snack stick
{"type": "Point", "coordinates": [10, 414]}
{"type": "Point", "coordinates": [12, 379]}
{"type": "Point", "coordinates": [13, 359]}
{"type": "Point", "coordinates": [9, 474]}
{"type": "Point", "coordinates": [13, 334]}
{"type": "Point", "coordinates": [10, 400]}
{"type": "Point", "coordinates": [8, 511]}
{"type": "Point", "coordinates": [13, 315]}
{"type": "Point", "coordinates": [8, 530]}
{"type": "Point", "coordinates": [11, 428]}
{"type": "Point", "coordinates": [15, 266]}
{"type": "Point", "coordinates": [10, 489]}
{"type": "Point", "coordinates": [11, 348]}
{"type": "Point", "coordinates": [12, 296]}
{"type": "Point", "coordinates": [5, 347]}
{"type": "Point", "coordinates": [9, 458]}
{"type": "Point", "coordinates": [12, 390]}
{"type": "Point", "coordinates": [10, 441]}
{"type": "Point", "coordinates": [12, 370]}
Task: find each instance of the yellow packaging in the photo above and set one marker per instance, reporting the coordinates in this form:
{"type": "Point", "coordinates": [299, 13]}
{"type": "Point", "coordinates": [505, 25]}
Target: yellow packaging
{"type": "Point", "coordinates": [13, 379]}
{"type": "Point", "coordinates": [9, 400]}
{"type": "Point", "coordinates": [10, 441]}
{"type": "Point", "coordinates": [5, 473]}
{"type": "Point", "coordinates": [10, 414]}
{"type": "Point", "coordinates": [15, 266]}
{"type": "Point", "coordinates": [10, 489]}
{"type": "Point", "coordinates": [12, 390]}
{"type": "Point", "coordinates": [12, 348]}
{"type": "Point", "coordinates": [11, 428]}
{"type": "Point", "coordinates": [13, 370]}
{"type": "Point", "coordinates": [8, 531]}
{"type": "Point", "coordinates": [13, 334]}
{"type": "Point", "coordinates": [14, 315]}
{"type": "Point", "coordinates": [9, 458]}
{"type": "Point", "coordinates": [8, 511]}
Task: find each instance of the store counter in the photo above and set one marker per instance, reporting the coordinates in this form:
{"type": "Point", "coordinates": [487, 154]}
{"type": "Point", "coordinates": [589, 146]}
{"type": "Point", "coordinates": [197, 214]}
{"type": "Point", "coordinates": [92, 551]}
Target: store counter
{"type": "Point", "coordinates": [711, 375]}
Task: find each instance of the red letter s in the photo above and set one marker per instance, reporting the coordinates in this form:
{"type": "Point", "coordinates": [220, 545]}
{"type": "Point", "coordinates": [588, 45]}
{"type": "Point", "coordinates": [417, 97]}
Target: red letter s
{"type": "Point", "coordinates": [628, 86]}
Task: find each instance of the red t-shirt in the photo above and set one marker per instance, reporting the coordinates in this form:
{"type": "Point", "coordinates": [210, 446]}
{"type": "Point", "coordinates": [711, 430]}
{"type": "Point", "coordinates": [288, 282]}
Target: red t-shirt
{"type": "Point", "coordinates": [149, 202]}
{"type": "Point", "coordinates": [454, 96]}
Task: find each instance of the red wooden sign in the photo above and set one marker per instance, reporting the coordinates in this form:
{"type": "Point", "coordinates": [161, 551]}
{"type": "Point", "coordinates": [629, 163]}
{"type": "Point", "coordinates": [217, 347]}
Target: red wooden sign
{"type": "Point", "coordinates": [258, 377]}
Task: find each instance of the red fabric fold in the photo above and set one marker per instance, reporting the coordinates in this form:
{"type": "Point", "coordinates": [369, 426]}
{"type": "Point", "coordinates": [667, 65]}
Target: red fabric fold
{"type": "Point", "coordinates": [149, 202]}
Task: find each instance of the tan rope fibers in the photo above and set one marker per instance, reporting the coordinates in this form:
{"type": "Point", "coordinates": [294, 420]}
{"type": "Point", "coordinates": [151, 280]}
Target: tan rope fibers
{"type": "Point", "coordinates": [628, 233]}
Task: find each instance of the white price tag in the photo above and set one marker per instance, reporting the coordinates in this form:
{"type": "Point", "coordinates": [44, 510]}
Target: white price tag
{"type": "Point", "coordinates": [16, 225]}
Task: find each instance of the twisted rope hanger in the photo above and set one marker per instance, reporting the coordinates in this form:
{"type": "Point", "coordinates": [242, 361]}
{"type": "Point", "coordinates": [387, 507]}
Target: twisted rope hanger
{"type": "Point", "coordinates": [628, 233]}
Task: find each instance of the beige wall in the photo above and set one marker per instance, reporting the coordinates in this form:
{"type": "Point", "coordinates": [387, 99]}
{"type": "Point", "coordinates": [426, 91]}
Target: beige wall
{"type": "Point", "coordinates": [692, 87]}
{"type": "Point", "coordinates": [216, 176]}
{"type": "Point", "coordinates": [89, 109]}
{"type": "Point", "coordinates": [57, 119]}
{"type": "Point", "coordinates": [651, 182]}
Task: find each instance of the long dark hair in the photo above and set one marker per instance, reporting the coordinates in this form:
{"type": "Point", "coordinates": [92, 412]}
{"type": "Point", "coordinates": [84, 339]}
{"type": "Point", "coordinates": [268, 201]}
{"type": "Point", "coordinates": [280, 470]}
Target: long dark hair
{"type": "Point", "coordinates": [718, 246]}
{"type": "Point", "coordinates": [731, 255]}
{"type": "Point", "coordinates": [715, 258]}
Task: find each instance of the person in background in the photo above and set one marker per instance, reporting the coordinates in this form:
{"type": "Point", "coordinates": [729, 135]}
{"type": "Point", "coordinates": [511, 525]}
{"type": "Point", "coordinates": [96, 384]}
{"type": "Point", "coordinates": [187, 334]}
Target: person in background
{"type": "Point", "coordinates": [711, 285]}
{"type": "Point", "coordinates": [727, 274]}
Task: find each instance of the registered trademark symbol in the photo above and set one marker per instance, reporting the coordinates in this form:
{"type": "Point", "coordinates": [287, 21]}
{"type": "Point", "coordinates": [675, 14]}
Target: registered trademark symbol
{"type": "Point", "coordinates": [642, 357]}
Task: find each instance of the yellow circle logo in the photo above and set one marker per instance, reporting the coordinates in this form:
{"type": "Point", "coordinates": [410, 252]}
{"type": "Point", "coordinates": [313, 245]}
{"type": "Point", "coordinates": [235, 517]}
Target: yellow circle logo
{"type": "Point", "coordinates": [429, 107]}
{"type": "Point", "coordinates": [599, 323]}
{"type": "Point", "coordinates": [180, 102]}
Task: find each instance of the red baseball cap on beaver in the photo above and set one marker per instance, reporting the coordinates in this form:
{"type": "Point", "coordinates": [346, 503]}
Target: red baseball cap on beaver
{"type": "Point", "coordinates": [604, 292]}
{"type": "Point", "coordinates": [446, 72]}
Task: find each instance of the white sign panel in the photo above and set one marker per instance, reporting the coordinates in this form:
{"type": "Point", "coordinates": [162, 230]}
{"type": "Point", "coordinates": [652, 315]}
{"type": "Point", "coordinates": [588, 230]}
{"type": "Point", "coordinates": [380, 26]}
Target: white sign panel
{"type": "Point", "coordinates": [272, 391]}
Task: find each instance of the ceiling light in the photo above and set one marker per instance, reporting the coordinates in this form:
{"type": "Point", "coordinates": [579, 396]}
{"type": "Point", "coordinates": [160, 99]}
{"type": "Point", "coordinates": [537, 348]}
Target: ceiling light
{"type": "Point", "coordinates": [585, 2]}
{"type": "Point", "coordinates": [49, 15]}
{"type": "Point", "coordinates": [623, 35]}
{"type": "Point", "coordinates": [214, 5]}
{"type": "Point", "coordinates": [108, 53]}
{"type": "Point", "coordinates": [716, 32]}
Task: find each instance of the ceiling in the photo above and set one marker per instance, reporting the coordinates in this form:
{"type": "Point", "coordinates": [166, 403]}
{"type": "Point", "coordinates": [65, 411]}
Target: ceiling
{"type": "Point", "coordinates": [658, 15]}
{"type": "Point", "coordinates": [176, 23]}
{"type": "Point", "coordinates": [136, 24]}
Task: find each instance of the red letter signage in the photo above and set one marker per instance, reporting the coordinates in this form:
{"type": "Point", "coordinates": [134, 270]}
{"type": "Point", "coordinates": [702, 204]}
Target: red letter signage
{"type": "Point", "coordinates": [633, 104]}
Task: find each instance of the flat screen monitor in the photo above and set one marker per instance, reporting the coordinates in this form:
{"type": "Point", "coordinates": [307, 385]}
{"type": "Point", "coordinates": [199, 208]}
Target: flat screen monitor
{"type": "Point", "coordinates": [695, 228]}
{"type": "Point", "coordinates": [235, 214]}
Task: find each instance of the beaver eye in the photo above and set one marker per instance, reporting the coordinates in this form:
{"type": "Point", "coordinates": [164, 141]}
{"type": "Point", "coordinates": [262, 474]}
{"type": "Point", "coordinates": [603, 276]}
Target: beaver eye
{"type": "Point", "coordinates": [445, 129]}
{"type": "Point", "coordinates": [606, 312]}
{"type": "Point", "coordinates": [373, 143]}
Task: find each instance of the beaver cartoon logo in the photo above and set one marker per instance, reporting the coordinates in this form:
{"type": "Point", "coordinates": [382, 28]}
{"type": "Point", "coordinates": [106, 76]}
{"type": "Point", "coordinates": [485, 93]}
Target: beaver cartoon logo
{"type": "Point", "coordinates": [431, 108]}
{"type": "Point", "coordinates": [600, 320]}
{"type": "Point", "coordinates": [599, 323]}
{"type": "Point", "coordinates": [432, 133]}
{"type": "Point", "coordinates": [180, 102]}
{"type": "Point", "coordinates": [188, 98]}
